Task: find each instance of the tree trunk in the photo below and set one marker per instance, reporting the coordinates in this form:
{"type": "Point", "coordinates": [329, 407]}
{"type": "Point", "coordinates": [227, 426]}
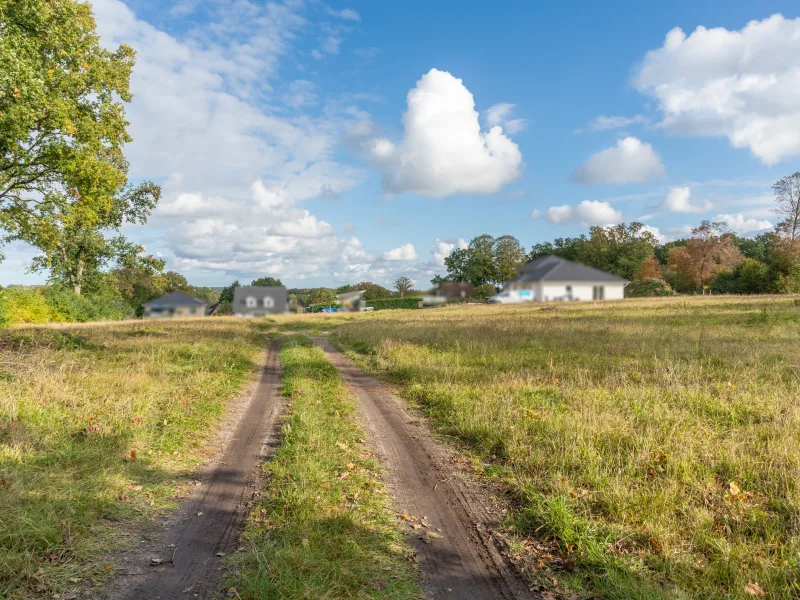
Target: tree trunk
{"type": "Point", "coordinates": [76, 282]}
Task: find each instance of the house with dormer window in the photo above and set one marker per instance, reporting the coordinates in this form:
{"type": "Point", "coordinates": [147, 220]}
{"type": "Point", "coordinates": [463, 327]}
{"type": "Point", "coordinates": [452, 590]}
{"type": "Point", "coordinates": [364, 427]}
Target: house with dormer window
{"type": "Point", "coordinates": [259, 301]}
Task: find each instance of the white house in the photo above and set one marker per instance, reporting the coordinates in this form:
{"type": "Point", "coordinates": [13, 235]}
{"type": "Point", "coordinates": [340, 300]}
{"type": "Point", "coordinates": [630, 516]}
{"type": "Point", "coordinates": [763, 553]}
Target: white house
{"type": "Point", "coordinates": [552, 278]}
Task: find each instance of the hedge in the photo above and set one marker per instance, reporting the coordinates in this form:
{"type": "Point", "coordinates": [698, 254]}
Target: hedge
{"type": "Point", "coordinates": [389, 303]}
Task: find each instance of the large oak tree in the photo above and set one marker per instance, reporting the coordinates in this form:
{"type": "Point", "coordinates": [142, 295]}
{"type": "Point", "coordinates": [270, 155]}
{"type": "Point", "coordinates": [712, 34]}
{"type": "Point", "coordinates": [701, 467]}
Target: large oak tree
{"type": "Point", "coordinates": [63, 175]}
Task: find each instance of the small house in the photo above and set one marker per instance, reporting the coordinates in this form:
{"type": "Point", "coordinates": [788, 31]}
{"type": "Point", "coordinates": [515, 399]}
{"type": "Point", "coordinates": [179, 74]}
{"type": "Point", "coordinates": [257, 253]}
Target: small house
{"type": "Point", "coordinates": [259, 301]}
{"type": "Point", "coordinates": [552, 278]}
{"type": "Point", "coordinates": [174, 304]}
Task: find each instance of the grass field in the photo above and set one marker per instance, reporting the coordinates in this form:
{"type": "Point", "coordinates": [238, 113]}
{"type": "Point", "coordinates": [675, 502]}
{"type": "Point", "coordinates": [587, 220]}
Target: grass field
{"type": "Point", "coordinates": [656, 441]}
{"type": "Point", "coordinates": [324, 527]}
{"type": "Point", "coordinates": [100, 428]}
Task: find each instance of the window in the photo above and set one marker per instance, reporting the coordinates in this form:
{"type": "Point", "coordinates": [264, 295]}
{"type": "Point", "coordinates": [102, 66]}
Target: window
{"type": "Point", "coordinates": [598, 292]}
{"type": "Point", "coordinates": [569, 292]}
{"type": "Point", "coordinates": [250, 302]}
{"type": "Point", "coordinates": [269, 302]}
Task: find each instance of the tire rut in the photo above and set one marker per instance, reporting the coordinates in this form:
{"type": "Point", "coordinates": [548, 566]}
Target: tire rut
{"type": "Point", "coordinates": [208, 525]}
{"type": "Point", "coordinates": [464, 562]}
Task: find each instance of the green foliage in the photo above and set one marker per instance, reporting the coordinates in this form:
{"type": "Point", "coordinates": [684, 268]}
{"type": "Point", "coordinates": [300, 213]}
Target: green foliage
{"type": "Point", "coordinates": [5, 320]}
{"type": "Point", "coordinates": [226, 295]}
{"type": "Point", "coordinates": [267, 282]}
{"type": "Point", "coordinates": [323, 296]}
{"type": "Point", "coordinates": [760, 248]}
{"type": "Point", "coordinates": [484, 291]}
{"type": "Point", "coordinates": [101, 306]}
{"type": "Point", "coordinates": [648, 288]}
{"type": "Point", "coordinates": [789, 281]}
{"type": "Point", "coordinates": [485, 260]}
{"type": "Point", "coordinates": [392, 303]}
{"type": "Point", "coordinates": [749, 277]}
{"type": "Point", "coordinates": [63, 177]}
{"type": "Point", "coordinates": [620, 249]}
{"type": "Point", "coordinates": [27, 305]}
{"type": "Point", "coordinates": [564, 247]}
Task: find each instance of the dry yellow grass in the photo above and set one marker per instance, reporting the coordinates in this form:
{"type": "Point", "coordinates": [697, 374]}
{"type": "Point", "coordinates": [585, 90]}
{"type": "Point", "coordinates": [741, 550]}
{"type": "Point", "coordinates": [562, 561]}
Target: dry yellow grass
{"type": "Point", "coordinates": [100, 427]}
{"type": "Point", "coordinates": [658, 440]}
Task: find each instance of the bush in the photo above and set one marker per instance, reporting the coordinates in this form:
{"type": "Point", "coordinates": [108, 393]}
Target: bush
{"type": "Point", "coordinates": [95, 307]}
{"type": "Point", "coordinates": [391, 303]}
{"type": "Point", "coordinates": [749, 277]}
{"type": "Point", "coordinates": [483, 291]}
{"type": "Point", "coordinates": [648, 288]}
{"type": "Point", "coordinates": [27, 305]}
{"type": "Point", "coordinates": [4, 319]}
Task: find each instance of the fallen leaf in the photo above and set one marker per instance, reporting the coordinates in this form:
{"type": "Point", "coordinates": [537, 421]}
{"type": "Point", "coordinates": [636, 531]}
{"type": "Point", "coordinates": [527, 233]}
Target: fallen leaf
{"type": "Point", "coordinates": [733, 488]}
{"type": "Point", "coordinates": [341, 445]}
{"type": "Point", "coordinates": [200, 514]}
{"type": "Point", "coordinates": [350, 466]}
{"type": "Point", "coordinates": [156, 561]}
{"type": "Point", "coordinates": [133, 455]}
{"type": "Point", "coordinates": [752, 588]}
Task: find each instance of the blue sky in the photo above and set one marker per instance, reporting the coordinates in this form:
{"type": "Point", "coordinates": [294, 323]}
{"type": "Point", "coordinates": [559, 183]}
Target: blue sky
{"type": "Point", "coordinates": [278, 132]}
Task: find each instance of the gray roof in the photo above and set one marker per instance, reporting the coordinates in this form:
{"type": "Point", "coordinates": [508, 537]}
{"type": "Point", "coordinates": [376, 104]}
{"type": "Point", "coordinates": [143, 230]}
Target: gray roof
{"type": "Point", "coordinates": [175, 299]}
{"type": "Point", "coordinates": [240, 293]}
{"type": "Point", "coordinates": [555, 268]}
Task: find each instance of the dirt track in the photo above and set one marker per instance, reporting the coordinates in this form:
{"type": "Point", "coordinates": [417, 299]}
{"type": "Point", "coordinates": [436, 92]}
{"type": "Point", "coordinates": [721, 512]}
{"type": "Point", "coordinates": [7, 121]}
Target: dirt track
{"type": "Point", "coordinates": [459, 557]}
{"type": "Point", "coordinates": [195, 542]}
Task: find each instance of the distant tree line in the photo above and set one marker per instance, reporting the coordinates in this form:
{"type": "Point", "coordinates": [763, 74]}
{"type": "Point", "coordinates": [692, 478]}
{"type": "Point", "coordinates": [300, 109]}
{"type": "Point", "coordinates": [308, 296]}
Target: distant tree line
{"type": "Point", "coordinates": [712, 259]}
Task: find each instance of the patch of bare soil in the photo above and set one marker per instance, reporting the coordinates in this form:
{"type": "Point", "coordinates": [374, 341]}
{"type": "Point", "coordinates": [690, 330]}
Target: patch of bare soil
{"type": "Point", "coordinates": [185, 558]}
{"type": "Point", "coordinates": [453, 524]}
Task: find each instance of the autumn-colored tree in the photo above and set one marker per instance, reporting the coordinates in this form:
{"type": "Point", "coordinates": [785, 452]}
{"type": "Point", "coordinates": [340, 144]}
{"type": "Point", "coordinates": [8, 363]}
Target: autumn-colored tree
{"type": "Point", "coordinates": [709, 251]}
{"type": "Point", "coordinates": [649, 269]}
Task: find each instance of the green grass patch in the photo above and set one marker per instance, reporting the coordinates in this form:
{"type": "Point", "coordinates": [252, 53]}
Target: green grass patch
{"type": "Point", "coordinates": [324, 527]}
{"type": "Point", "coordinates": [657, 441]}
{"type": "Point", "coordinates": [101, 428]}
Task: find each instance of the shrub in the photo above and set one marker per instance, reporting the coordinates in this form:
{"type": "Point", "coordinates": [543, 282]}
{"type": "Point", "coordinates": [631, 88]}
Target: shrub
{"type": "Point", "coordinates": [94, 307]}
{"type": "Point", "coordinates": [390, 303]}
{"type": "Point", "coordinates": [4, 319]}
{"type": "Point", "coordinates": [648, 288]}
{"type": "Point", "coordinates": [483, 291]}
{"type": "Point", "coordinates": [224, 309]}
{"type": "Point", "coordinates": [27, 305]}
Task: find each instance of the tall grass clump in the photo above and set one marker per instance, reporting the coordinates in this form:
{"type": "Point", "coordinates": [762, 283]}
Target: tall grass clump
{"type": "Point", "coordinates": [101, 427]}
{"type": "Point", "coordinates": [658, 441]}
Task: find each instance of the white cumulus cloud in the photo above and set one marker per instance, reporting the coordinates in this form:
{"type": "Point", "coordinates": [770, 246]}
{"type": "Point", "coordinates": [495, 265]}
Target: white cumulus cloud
{"type": "Point", "coordinates": [743, 225]}
{"type": "Point", "coordinates": [631, 160]}
{"type": "Point", "coordinates": [678, 201]}
{"type": "Point", "coordinates": [588, 212]}
{"type": "Point", "coordinates": [443, 150]}
{"type": "Point", "coordinates": [662, 238]}
{"type": "Point", "coordinates": [404, 252]}
{"type": "Point", "coordinates": [442, 249]}
{"type": "Point", "coordinates": [741, 84]}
